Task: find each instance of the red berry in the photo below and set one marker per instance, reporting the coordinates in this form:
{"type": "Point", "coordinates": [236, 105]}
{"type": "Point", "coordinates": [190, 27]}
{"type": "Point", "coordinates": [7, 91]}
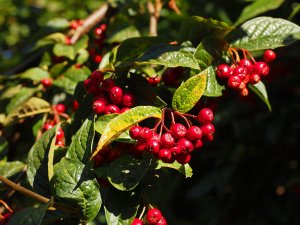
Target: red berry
{"type": "Point", "coordinates": [162, 221]}
{"type": "Point", "coordinates": [107, 84]}
{"type": "Point", "coordinates": [101, 97]}
{"type": "Point", "coordinates": [184, 158]}
{"type": "Point", "coordinates": [167, 140]}
{"type": "Point", "coordinates": [234, 81]}
{"type": "Point", "coordinates": [165, 155]}
{"type": "Point", "coordinates": [153, 146]}
{"type": "Point", "coordinates": [98, 31]}
{"type": "Point", "coordinates": [60, 108]}
{"type": "Point", "coordinates": [246, 63]}
{"type": "Point", "coordinates": [269, 56]}
{"type": "Point", "coordinates": [99, 106]}
{"type": "Point", "coordinates": [178, 130]}
{"type": "Point", "coordinates": [193, 133]}
{"type": "Point", "coordinates": [240, 71]}
{"type": "Point", "coordinates": [223, 71]}
{"type": "Point", "coordinates": [170, 77]}
{"type": "Point", "coordinates": [254, 78]}
{"type": "Point", "coordinates": [97, 76]}
{"type": "Point", "coordinates": [97, 58]}
{"type": "Point", "coordinates": [75, 105]}
{"type": "Point", "coordinates": [140, 147]}
{"type": "Point", "coordinates": [68, 41]}
{"type": "Point", "coordinates": [124, 109]}
{"type": "Point", "coordinates": [145, 134]}
{"type": "Point", "coordinates": [47, 126]}
{"type": "Point", "coordinates": [59, 143]}
{"type": "Point", "coordinates": [116, 93]}
{"type": "Point", "coordinates": [261, 68]}
{"type": "Point", "coordinates": [185, 145]}
{"type": "Point", "coordinates": [137, 221]}
{"type": "Point", "coordinates": [153, 81]}
{"type": "Point", "coordinates": [47, 82]}
{"type": "Point", "coordinates": [175, 151]}
{"type": "Point", "coordinates": [134, 132]}
{"type": "Point", "coordinates": [103, 27]}
{"type": "Point", "coordinates": [109, 109]}
{"type": "Point", "coordinates": [208, 131]}
{"type": "Point", "coordinates": [153, 216]}
{"type": "Point", "coordinates": [60, 134]}
{"type": "Point", "coordinates": [128, 100]}
{"type": "Point", "coordinates": [205, 116]}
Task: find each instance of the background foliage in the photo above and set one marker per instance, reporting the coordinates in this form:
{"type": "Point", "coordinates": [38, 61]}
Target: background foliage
{"type": "Point", "coordinates": [250, 173]}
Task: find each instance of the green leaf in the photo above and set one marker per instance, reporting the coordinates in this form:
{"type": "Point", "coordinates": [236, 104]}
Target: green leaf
{"type": "Point", "coordinates": [126, 172]}
{"type": "Point", "coordinates": [19, 99]}
{"type": "Point", "coordinates": [83, 56]}
{"type": "Point", "coordinates": [189, 93]}
{"type": "Point", "coordinates": [264, 33]}
{"type": "Point", "coordinates": [8, 169]}
{"type": "Point", "coordinates": [169, 56]}
{"type": "Point", "coordinates": [58, 23]}
{"type": "Point", "coordinates": [74, 183]}
{"type": "Point", "coordinates": [121, 34]}
{"type": "Point", "coordinates": [65, 84]}
{"type": "Point", "coordinates": [185, 169]}
{"type": "Point", "coordinates": [213, 88]}
{"type": "Point", "coordinates": [29, 216]}
{"type": "Point", "coordinates": [62, 49]}
{"type": "Point", "coordinates": [124, 121]}
{"type": "Point", "coordinates": [82, 43]}
{"type": "Point", "coordinates": [3, 147]}
{"type": "Point", "coordinates": [260, 90]}
{"type": "Point", "coordinates": [132, 48]}
{"type": "Point", "coordinates": [257, 7]}
{"type": "Point", "coordinates": [51, 39]}
{"type": "Point", "coordinates": [36, 74]}
{"type": "Point", "coordinates": [102, 122]}
{"type": "Point", "coordinates": [58, 69]}
{"type": "Point", "coordinates": [196, 28]}
{"type": "Point", "coordinates": [208, 50]}
{"type": "Point", "coordinates": [37, 171]}
{"type": "Point", "coordinates": [31, 107]}
{"type": "Point", "coordinates": [77, 74]}
{"type": "Point", "coordinates": [82, 142]}
{"type": "Point", "coordinates": [121, 207]}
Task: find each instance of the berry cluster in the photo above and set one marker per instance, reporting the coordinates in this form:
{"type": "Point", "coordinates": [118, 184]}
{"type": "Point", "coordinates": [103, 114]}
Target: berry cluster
{"type": "Point", "coordinates": [108, 97]}
{"type": "Point", "coordinates": [59, 134]}
{"type": "Point", "coordinates": [107, 155]}
{"type": "Point", "coordinates": [244, 71]}
{"type": "Point", "coordinates": [100, 35]}
{"type": "Point", "coordinates": [176, 143]}
{"type": "Point", "coordinates": [153, 217]}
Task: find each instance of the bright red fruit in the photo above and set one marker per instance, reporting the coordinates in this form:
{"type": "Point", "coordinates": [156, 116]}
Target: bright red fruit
{"type": "Point", "coordinates": [153, 216]}
{"type": "Point", "coordinates": [137, 221]}
{"type": "Point", "coordinates": [269, 56]}
{"type": "Point", "coordinates": [99, 106]}
{"type": "Point", "coordinates": [194, 133]}
{"type": "Point", "coordinates": [178, 130]}
{"type": "Point", "coordinates": [205, 116]}
{"type": "Point", "coordinates": [47, 82]}
{"type": "Point", "coordinates": [223, 71]}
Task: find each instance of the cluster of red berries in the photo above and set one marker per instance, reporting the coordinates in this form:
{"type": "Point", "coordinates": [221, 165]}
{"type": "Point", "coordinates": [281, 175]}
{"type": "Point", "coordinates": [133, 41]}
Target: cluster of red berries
{"type": "Point", "coordinates": [176, 143]}
{"type": "Point", "coordinates": [108, 97]}
{"type": "Point", "coordinates": [153, 217]}
{"type": "Point", "coordinates": [100, 35]}
{"type": "Point", "coordinates": [107, 155]}
{"type": "Point", "coordinates": [245, 71]}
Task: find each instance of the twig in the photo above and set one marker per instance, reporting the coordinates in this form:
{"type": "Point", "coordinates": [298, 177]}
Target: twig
{"type": "Point", "coordinates": [174, 7]}
{"type": "Point", "coordinates": [90, 22]}
{"type": "Point", "coordinates": [154, 11]}
{"type": "Point", "coordinates": [34, 195]}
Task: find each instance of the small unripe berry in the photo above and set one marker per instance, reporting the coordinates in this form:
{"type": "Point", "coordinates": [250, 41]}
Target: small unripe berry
{"type": "Point", "coordinates": [269, 56]}
{"type": "Point", "coordinates": [205, 116]}
{"type": "Point", "coordinates": [223, 71]}
{"type": "Point", "coordinates": [153, 216]}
